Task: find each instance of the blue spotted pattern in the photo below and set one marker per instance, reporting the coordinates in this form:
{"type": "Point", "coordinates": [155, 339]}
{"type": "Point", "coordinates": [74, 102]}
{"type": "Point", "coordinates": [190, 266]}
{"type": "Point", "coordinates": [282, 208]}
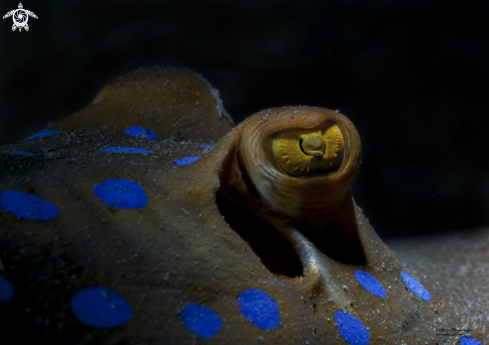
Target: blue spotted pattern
{"type": "Point", "coordinates": [121, 193]}
{"type": "Point", "coordinates": [208, 147]}
{"type": "Point", "coordinates": [27, 206]}
{"type": "Point", "coordinates": [416, 287]}
{"type": "Point", "coordinates": [125, 150]}
{"type": "Point", "coordinates": [186, 160]}
{"type": "Point", "coordinates": [23, 153]}
{"type": "Point", "coordinates": [469, 341]}
{"type": "Point", "coordinates": [370, 283]}
{"type": "Point", "coordinates": [260, 308]}
{"type": "Point", "coordinates": [352, 329]}
{"type": "Point", "coordinates": [42, 134]}
{"type": "Point", "coordinates": [201, 320]}
{"type": "Point", "coordinates": [141, 133]}
{"type": "Point", "coordinates": [7, 290]}
{"type": "Point", "coordinates": [100, 307]}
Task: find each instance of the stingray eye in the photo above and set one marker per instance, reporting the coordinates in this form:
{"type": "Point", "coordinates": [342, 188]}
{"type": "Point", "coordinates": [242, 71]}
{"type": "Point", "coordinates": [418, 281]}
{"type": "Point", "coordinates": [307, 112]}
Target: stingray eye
{"type": "Point", "coordinates": [301, 153]}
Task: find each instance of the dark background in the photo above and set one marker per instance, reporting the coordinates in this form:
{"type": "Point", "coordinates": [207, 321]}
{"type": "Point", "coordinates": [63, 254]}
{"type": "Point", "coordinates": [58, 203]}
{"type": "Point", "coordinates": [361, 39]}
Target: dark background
{"type": "Point", "coordinates": [413, 75]}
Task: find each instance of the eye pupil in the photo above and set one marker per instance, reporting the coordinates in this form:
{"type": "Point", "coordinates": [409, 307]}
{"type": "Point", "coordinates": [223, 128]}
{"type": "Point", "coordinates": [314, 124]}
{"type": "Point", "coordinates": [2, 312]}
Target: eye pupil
{"type": "Point", "coordinates": [313, 144]}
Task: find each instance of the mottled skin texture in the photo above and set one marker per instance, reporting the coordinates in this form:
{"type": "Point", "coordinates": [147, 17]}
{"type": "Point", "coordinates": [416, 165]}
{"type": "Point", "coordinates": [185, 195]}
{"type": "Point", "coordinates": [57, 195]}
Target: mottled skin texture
{"type": "Point", "coordinates": [457, 267]}
{"type": "Point", "coordinates": [179, 249]}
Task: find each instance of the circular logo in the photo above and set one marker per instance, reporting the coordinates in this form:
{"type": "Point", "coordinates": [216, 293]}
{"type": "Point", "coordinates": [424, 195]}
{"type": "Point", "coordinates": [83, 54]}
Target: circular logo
{"type": "Point", "coordinates": [20, 17]}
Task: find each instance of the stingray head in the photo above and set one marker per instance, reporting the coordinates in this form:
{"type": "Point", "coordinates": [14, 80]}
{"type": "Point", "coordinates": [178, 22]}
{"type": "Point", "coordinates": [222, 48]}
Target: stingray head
{"type": "Point", "coordinates": [122, 224]}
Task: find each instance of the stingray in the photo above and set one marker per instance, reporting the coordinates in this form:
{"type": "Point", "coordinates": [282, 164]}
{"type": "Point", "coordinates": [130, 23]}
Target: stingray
{"type": "Point", "coordinates": [149, 218]}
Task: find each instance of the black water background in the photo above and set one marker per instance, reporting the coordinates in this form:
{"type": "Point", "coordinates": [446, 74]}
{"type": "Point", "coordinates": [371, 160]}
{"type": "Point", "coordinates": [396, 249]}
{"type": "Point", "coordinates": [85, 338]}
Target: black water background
{"type": "Point", "coordinates": [412, 75]}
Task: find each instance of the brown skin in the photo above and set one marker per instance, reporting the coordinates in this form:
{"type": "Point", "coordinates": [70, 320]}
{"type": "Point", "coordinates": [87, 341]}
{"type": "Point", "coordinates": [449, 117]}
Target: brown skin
{"type": "Point", "coordinates": [179, 248]}
{"type": "Point", "coordinates": [455, 265]}
{"type": "Point", "coordinates": [176, 104]}
{"type": "Point", "coordinates": [319, 204]}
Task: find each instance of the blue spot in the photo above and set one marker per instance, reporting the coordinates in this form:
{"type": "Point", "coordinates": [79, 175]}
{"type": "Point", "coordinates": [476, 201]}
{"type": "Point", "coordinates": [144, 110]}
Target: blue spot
{"type": "Point", "coordinates": [100, 308]}
{"type": "Point", "coordinates": [125, 150]}
{"type": "Point", "coordinates": [121, 193]}
{"type": "Point", "coordinates": [42, 134]}
{"type": "Point", "coordinates": [208, 147]}
{"type": "Point", "coordinates": [6, 290]}
{"type": "Point", "coordinates": [23, 153]}
{"type": "Point", "coordinates": [260, 308]}
{"type": "Point", "coordinates": [415, 286]}
{"type": "Point", "coordinates": [186, 160]}
{"type": "Point", "coordinates": [370, 283]}
{"type": "Point", "coordinates": [201, 320]}
{"type": "Point", "coordinates": [352, 329]}
{"type": "Point", "coordinates": [27, 206]}
{"type": "Point", "coordinates": [141, 133]}
{"type": "Point", "coordinates": [469, 341]}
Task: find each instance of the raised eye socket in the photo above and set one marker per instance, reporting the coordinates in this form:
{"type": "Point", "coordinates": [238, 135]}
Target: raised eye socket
{"type": "Point", "coordinates": [303, 153]}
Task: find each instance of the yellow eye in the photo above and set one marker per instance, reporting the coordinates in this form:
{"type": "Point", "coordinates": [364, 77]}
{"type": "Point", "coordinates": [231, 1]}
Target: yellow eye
{"type": "Point", "coordinates": [301, 154]}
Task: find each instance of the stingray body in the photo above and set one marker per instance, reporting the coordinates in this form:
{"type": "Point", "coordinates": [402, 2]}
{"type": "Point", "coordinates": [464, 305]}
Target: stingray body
{"type": "Point", "coordinates": [122, 225]}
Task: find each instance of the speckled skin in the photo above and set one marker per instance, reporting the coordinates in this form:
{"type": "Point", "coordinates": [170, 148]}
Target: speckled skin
{"type": "Point", "coordinates": [179, 249]}
{"type": "Point", "coordinates": [457, 267]}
